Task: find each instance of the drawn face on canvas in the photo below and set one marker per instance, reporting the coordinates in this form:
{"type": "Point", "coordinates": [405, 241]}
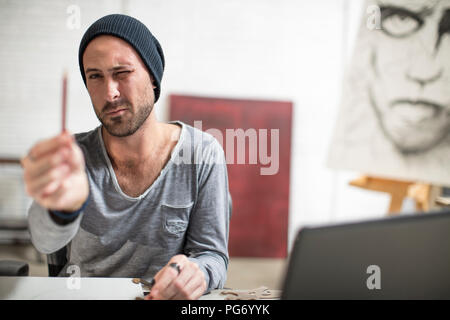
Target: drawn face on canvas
{"type": "Point", "coordinates": [410, 82]}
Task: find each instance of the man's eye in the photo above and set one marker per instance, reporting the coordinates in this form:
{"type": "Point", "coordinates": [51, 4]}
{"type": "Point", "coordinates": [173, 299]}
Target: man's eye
{"type": "Point", "coordinates": [122, 73]}
{"type": "Point", "coordinates": [398, 22]}
{"type": "Point", "coordinates": [94, 76]}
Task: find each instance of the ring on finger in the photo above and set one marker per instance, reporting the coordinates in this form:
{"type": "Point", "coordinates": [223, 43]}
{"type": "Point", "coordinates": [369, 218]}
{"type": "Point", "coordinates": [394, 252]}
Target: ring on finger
{"type": "Point", "coordinates": [175, 266]}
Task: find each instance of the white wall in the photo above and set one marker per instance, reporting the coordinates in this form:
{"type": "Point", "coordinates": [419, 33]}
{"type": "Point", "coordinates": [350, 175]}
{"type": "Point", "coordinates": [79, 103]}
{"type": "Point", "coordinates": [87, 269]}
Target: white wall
{"type": "Point", "coordinates": [263, 49]}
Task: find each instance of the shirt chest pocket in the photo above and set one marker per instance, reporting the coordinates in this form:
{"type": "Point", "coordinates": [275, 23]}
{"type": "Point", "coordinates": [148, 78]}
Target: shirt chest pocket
{"type": "Point", "coordinates": [176, 218]}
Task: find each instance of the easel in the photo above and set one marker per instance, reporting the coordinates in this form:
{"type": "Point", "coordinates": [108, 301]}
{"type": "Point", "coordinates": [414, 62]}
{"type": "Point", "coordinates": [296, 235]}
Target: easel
{"type": "Point", "coordinates": [422, 193]}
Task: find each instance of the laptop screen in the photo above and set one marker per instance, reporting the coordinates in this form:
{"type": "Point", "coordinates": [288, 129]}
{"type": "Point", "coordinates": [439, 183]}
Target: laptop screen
{"type": "Point", "coordinates": [404, 257]}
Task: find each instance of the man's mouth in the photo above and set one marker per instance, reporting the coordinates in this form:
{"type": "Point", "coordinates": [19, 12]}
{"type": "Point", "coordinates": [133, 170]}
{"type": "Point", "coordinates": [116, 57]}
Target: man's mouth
{"type": "Point", "coordinates": [116, 112]}
{"type": "Point", "coordinates": [416, 111]}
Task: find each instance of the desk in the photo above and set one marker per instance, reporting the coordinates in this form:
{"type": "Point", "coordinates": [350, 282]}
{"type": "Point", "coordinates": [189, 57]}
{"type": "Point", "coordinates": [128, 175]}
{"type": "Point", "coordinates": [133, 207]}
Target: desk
{"type": "Point", "coordinates": [58, 288]}
{"type": "Point", "coordinates": [49, 288]}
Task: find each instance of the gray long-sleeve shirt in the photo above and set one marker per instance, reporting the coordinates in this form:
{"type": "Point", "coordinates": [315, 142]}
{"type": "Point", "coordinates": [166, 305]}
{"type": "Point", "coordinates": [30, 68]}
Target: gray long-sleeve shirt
{"type": "Point", "coordinates": [185, 211]}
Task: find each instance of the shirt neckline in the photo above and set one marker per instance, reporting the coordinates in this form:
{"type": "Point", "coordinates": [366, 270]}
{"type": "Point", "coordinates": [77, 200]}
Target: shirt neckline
{"type": "Point", "coordinates": [169, 164]}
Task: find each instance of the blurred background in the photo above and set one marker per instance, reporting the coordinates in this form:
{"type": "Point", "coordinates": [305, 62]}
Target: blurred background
{"type": "Point", "coordinates": [287, 50]}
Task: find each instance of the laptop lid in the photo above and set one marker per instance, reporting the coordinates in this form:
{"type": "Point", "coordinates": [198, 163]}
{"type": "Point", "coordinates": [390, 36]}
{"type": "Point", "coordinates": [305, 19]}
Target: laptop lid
{"type": "Point", "coordinates": [403, 257]}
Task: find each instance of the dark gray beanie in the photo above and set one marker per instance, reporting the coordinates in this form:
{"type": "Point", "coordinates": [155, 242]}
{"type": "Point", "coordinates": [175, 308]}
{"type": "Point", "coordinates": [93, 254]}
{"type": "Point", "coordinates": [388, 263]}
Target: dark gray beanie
{"type": "Point", "coordinates": [136, 34]}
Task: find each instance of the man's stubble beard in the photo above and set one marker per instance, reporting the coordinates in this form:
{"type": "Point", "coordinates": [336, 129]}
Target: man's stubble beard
{"type": "Point", "coordinates": [121, 126]}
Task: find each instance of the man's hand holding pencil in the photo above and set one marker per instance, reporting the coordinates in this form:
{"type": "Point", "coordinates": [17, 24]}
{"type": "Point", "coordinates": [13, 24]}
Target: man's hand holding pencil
{"type": "Point", "coordinates": [54, 169]}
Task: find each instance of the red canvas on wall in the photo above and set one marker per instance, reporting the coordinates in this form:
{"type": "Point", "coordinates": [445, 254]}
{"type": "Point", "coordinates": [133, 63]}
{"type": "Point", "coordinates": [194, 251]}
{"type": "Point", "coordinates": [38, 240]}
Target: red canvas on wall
{"type": "Point", "coordinates": [259, 186]}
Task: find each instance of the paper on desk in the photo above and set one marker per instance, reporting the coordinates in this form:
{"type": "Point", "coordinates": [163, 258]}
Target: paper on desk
{"type": "Point", "coordinates": [43, 288]}
{"type": "Point", "coordinates": [443, 201]}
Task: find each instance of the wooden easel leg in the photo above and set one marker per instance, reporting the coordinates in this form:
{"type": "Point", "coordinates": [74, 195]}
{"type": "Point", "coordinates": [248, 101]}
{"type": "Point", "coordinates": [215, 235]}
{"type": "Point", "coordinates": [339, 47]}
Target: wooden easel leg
{"type": "Point", "coordinates": [395, 205]}
{"type": "Point", "coordinates": [423, 194]}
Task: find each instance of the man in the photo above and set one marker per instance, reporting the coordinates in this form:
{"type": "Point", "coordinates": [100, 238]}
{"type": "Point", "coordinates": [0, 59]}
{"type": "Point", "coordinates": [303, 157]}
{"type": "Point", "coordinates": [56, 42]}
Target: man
{"type": "Point", "coordinates": [118, 201]}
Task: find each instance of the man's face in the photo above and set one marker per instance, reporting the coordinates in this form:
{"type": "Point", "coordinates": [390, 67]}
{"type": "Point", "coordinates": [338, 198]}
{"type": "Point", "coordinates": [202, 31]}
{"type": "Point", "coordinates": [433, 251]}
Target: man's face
{"type": "Point", "coordinates": [119, 85]}
{"type": "Point", "coordinates": [410, 62]}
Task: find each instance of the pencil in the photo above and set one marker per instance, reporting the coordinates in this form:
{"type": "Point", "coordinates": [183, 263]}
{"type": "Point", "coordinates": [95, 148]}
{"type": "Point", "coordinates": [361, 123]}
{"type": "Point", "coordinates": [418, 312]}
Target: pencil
{"type": "Point", "coordinates": [64, 102]}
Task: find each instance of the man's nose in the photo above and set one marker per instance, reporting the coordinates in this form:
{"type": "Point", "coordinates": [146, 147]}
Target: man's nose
{"type": "Point", "coordinates": [425, 65]}
{"type": "Point", "coordinates": [112, 90]}
{"type": "Point", "coordinates": [426, 77]}
{"type": "Point", "coordinates": [425, 68]}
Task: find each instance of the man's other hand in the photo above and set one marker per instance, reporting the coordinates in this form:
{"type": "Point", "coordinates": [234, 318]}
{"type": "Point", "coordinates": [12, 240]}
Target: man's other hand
{"type": "Point", "coordinates": [186, 284]}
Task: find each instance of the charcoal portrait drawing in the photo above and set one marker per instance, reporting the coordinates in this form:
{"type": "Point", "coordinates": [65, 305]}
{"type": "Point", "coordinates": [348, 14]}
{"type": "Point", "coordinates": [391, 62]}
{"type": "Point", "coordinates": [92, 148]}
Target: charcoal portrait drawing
{"type": "Point", "coordinates": [394, 119]}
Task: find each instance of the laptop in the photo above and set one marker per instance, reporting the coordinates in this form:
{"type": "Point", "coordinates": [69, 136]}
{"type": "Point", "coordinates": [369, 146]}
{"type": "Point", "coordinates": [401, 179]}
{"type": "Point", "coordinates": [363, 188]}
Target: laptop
{"type": "Point", "coordinates": [402, 257]}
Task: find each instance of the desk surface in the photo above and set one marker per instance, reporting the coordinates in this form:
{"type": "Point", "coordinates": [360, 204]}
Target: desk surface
{"type": "Point", "coordinates": [49, 288]}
